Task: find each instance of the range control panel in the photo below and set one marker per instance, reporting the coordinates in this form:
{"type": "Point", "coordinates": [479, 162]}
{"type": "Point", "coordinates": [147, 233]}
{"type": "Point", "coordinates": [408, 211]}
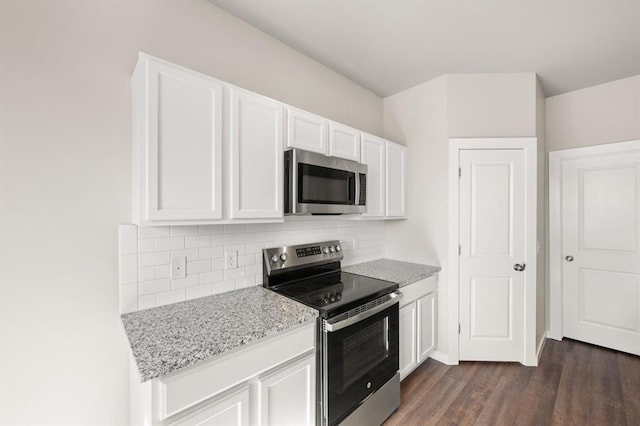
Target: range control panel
{"type": "Point", "coordinates": [278, 258]}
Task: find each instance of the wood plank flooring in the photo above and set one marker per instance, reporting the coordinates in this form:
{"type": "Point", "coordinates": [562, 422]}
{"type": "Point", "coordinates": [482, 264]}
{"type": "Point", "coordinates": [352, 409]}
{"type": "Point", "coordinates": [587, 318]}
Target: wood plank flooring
{"type": "Point", "coordinates": [575, 384]}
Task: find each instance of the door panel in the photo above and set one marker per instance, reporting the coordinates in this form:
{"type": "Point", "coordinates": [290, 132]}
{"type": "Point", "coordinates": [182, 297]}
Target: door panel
{"type": "Point", "coordinates": [492, 229]}
{"type": "Point", "coordinates": [601, 230]}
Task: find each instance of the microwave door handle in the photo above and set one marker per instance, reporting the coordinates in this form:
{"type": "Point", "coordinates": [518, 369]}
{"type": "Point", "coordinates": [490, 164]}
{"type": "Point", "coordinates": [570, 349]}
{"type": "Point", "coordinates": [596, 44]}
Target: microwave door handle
{"type": "Point", "coordinates": [357, 194]}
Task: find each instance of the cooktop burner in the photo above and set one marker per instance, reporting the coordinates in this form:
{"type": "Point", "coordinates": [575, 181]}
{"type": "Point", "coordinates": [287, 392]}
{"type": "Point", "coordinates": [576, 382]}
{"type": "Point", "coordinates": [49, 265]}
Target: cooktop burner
{"type": "Point", "coordinates": [337, 292]}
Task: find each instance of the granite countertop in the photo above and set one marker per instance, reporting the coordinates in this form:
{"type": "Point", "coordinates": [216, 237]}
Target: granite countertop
{"type": "Point", "coordinates": [168, 338]}
{"type": "Point", "coordinates": [402, 273]}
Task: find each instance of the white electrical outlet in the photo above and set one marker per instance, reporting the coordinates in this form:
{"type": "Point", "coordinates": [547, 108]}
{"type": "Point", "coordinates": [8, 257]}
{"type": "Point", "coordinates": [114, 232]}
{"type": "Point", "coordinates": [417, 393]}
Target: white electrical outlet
{"type": "Point", "coordinates": [231, 259]}
{"type": "Point", "coordinates": [178, 267]}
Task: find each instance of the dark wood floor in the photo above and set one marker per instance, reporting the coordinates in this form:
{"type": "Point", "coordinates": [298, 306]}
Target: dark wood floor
{"type": "Point", "coordinates": [575, 384]}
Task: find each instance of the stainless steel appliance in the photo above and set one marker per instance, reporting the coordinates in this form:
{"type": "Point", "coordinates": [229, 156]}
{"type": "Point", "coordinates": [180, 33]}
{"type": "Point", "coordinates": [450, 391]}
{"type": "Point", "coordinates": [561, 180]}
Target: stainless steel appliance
{"type": "Point", "coordinates": [357, 334]}
{"type": "Point", "coordinates": [317, 184]}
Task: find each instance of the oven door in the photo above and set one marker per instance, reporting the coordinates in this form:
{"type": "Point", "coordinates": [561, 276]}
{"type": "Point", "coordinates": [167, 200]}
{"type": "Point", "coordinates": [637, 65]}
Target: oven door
{"type": "Point", "coordinates": [315, 183]}
{"type": "Point", "coordinates": [358, 359]}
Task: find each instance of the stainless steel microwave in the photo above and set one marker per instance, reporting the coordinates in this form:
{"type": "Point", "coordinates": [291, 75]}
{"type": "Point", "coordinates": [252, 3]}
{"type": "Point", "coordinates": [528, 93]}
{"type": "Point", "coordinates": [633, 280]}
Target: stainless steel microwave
{"type": "Point", "coordinates": [317, 184]}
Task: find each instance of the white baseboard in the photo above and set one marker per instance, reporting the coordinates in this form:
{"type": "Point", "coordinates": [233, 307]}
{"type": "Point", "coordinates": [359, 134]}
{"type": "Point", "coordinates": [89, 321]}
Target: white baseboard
{"type": "Point", "coordinates": [543, 341]}
{"type": "Point", "coordinates": [440, 357]}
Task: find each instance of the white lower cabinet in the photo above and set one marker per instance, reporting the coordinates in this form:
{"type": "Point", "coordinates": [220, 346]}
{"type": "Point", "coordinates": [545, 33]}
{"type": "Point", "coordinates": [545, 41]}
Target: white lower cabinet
{"type": "Point", "coordinates": [418, 323]}
{"type": "Point", "coordinates": [287, 397]}
{"type": "Point", "coordinates": [271, 382]}
{"type": "Point", "coordinates": [232, 410]}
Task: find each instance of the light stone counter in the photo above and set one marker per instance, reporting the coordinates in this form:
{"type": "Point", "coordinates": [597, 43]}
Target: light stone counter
{"type": "Point", "coordinates": [168, 338]}
{"type": "Point", "coordinates": [402, 273]}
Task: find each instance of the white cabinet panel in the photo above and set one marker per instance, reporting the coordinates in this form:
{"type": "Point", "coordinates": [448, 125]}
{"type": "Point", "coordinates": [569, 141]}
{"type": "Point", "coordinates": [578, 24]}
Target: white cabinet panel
{"type": "Point", "coordinates": [177, 143]}
{"type": "Point", "coordinates": [344, 142]}
{"type": "Point", "coordinates": [396, 180]}
{"type": "Point", "coordinates": [256, 156]}
{"type": "Point", "coordinates": [374, 155]}
{"type": "Point", "coordinates": [288, 396]}
{"type": "Point", "coordinates": [408, 350]}
{"type": "Point", "coordinates": [307, 131]}
{"type": "Point", "coordinates": [233, 410]}
{"type": "Point", "coordinates": [427, 313]}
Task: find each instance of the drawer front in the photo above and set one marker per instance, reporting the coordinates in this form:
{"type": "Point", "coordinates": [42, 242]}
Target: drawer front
{"type": "Point", "coordinates": [418, 289]}
{"type": "Point", "coordinates": [184, 389]}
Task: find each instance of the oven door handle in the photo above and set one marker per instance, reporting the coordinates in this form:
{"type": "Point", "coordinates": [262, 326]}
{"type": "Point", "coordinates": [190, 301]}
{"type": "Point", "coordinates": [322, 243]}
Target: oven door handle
{"type": "Point", "coordinates": [331, 327]}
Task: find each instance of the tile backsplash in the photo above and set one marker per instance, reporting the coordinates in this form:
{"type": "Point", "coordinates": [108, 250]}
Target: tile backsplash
{"type": "Point", "coordinates": [146, 253]}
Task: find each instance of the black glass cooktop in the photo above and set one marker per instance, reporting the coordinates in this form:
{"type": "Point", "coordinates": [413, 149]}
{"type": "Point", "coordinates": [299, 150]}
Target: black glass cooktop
{"type": "Point", "coordinates": [335, 293]}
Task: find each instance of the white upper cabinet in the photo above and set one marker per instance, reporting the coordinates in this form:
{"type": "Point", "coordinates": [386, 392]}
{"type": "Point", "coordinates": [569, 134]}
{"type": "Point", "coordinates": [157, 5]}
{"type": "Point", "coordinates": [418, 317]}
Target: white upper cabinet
{"type": "Point", "coordinates": [396, 180]}
{"type": "Point", "coordinates": [177, 143]}
{"type": "Point", "coordinates": [307, 131]}
{"type": "Point", "coordinates": [344, 142]}
{"type": "Point", "coordinates": [256, 174]}
{"type": "Point", "coordinates": [373, 155]}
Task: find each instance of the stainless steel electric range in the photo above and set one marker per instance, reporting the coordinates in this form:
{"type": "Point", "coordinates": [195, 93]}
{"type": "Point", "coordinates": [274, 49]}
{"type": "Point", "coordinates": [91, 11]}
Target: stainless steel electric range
{"type": "Point", "coordinates": [357, 335]}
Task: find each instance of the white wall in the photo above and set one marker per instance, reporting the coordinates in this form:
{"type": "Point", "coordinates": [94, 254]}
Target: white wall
{"type": "Point", "coordinates": [596, 115]}
{"type": "Point", "coordinates": [65, 178]}
{"type": "Point", "coordinates": [491, 105]}
{"type": "Point", "coordinates": [542, 317]}
{"type": "Point", "coordinates": [418, 118]}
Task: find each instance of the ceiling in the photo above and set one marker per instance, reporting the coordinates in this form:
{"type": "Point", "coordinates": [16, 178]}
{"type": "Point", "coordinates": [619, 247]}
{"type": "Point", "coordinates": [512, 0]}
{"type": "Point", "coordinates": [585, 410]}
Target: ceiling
{"type": "Point", "coordinates": [391, 45]}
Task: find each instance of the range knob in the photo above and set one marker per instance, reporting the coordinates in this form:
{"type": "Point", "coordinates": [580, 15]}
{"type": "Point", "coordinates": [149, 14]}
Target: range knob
{"type": "Point", "coordinates": [332, 249]}
{"type": "Point", "coordinates": [338, 249]}
{"type": "Point", "coordinates": [283, 257]}
{"type": "Point", "coordinates": [325, 250]}
{"type": "Point", "coordinates": [274, 258]}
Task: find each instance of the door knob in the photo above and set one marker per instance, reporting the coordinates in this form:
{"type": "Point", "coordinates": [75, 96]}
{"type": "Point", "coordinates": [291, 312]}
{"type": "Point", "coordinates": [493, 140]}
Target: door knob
{"type": "Point", "coordinates": [569, 258]}
{"type": "Point", "coordinates": [518, 267]}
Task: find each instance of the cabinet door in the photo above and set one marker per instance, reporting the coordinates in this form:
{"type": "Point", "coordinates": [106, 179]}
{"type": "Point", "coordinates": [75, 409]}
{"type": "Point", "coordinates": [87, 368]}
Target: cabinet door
{"type": "Point", "coordinates": [427, 323]}
{"type": "Point", "coordinates": [408, 350]}
{"type": "Point", "coordinates": [396, 180]}
{"type": "Point", "coordinates": [256, 156]}
{"type": "Point", "coordinates": [288, 396]}
{"type": "Point", "coordinates": [344, 142]}
{"type": "Point", "coordinates": [373, 155]}
{"type": "Point", "coordinates": [182, 122]}
{"type": "Point", "coordinates": [232, 410]}
{"type": "Point", "coordinates": [306, 131]}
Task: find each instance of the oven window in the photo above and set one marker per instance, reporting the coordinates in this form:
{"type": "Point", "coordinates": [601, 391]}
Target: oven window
{"type": "Point", "coordinates": [364, 350]}
{"type": "Point", "coordinates": [324, 185]}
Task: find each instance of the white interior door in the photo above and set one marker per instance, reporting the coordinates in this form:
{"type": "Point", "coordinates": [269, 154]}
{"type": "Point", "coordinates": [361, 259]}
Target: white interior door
{"type": "Point", "coordinates": [600, 250]}
{"type": "Point", "coordinates": [492, 196]}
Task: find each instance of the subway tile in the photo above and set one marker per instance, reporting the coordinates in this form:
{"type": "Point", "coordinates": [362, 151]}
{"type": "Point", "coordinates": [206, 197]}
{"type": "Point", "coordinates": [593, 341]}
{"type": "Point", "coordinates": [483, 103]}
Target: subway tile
{"type": "Point", "coordinates": [224, 286]}
{"type": "Point", "coordinates": [189, 281]}
{"type": "Point", "coordinates": [128, 269]}
{"type": "Point", "coordinates": [146, 245]}
{"type": "Point", "coordinates": [172, 243]}
{"type": "Point", "coordinates": [246, 259]}
{"type": "Point", "coordinates": [217, 263]}
{"type": "Point", "coordinates": [245, 282]}
{"type": "Point", "coordinates": [162, 271]}
{"type": "Point", "coordinates": [254, 269]}
{"type": "Point", "coordinates": [198, 266]}
{"type": "Point", "coordinates": [197, 241]}
{"type": "Point", "coordinates": [190, 254]}
{"type": "Point", "coordinates": [210, 229]}
{"type": "Point", "coordinates": [147, 273]}
{"type": "Point", "coordinates": [153, 259]}
{"type": "Point", "coordinates": [234, 273]}
{"type": "Point", "coordinates": [181, 231]}
{"type": "Point", "coordinates": [210, 252]}
{"type": "Point", "coordinates": [169, 297]}
{"type": "Point", "coordinates": [211, 277]}
{"type": "Point", "coordinates": [247, 237]}
{"type": "Point", "coordinates": [253, 248]}
{"type": "Point", "coordinates": [128, 298]}
{"type": "Point", "coordinates": [154, 286]}
{"type": "Point", "coordinates": [199, 291]}
{"type": "Point", "coordinates": [222, 239]}
{"type": "Point", "coordinates": [238, 248]}
{"type": "Point", "coordinates": [146, 302]}
{"type": "Point", "coordinates": [127, 239]}
{"type": "Point", "coordinates": [234, 228]}
{"type": "Point", "coordinates": [153, 231]}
